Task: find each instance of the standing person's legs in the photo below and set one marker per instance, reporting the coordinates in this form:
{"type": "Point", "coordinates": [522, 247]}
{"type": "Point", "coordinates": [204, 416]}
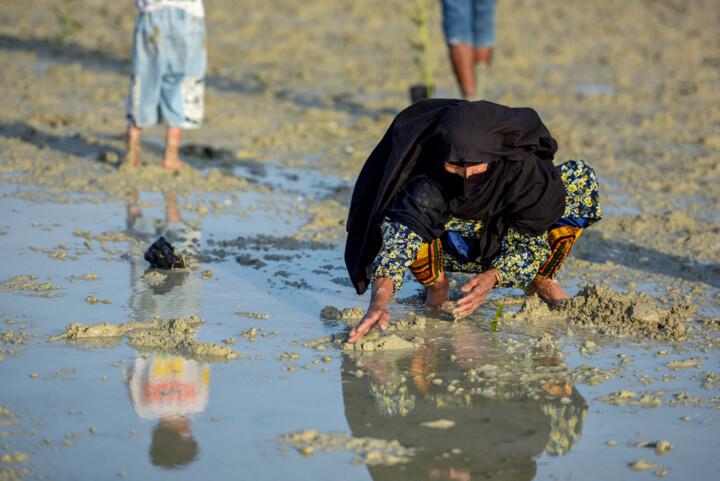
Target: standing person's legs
{"type": "Point", "coordinates": [457, 26]}
{"type": "Point", "coordinates": [483, 41]}
{"type": "Point", "coordinates": [142, 106]}
{"type": "Point", "coordinates": [173, 136]}
{"type": "Point", "coordinates": [483, 30]}
{"type": "Point", "coordinates": [461, 56]}
{"type": "Point", "coordinates": [183, 86]}
{"type": "Point", "coordinates": [132, 145]}
{"type": "Point", "coordinates": [483, 56]}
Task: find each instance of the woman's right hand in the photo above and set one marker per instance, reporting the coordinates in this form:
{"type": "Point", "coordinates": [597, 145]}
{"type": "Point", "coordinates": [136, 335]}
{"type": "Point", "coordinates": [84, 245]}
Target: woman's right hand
{"type": "Point", "coordinates": [375, 316]}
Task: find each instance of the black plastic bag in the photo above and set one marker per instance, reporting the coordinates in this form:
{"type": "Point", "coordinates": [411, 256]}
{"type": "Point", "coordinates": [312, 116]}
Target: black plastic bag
{"type": "Point", "coordinates": [162, 255]}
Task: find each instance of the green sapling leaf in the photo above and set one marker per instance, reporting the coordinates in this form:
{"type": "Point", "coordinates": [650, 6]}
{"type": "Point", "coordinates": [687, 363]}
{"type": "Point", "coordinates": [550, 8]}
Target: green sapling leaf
{"type": "Point", "coordinates": [493, 324]}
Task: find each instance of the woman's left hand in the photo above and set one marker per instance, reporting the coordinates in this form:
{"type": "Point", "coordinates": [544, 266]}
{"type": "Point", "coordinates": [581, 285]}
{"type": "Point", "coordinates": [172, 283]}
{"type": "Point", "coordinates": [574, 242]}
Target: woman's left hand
{"type": "Point", "coordinates": [478, 287]}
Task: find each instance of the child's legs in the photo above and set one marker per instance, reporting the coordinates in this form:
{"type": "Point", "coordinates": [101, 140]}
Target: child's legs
{"type": "Point", "coordinates": [132, 145]}
{"type": "Point", "coordinates": [146, 73]}
{"type": "Point", "coordinates": [173, 136]}
{"type": "Point", "coordinates": [183, 85]}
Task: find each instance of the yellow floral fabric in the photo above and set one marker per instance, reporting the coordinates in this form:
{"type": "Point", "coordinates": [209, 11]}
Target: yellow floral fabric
{"type": "Point", "coordinates": [582, 191]}
{"type": "Point", "coordinates": [520, 257]}
{"type": "Point", "coordinates": [399, 249]}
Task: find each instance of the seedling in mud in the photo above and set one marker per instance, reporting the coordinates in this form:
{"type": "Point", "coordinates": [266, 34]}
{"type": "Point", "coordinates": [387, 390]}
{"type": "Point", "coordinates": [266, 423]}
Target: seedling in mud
{"type": "Point", "coordinates": [68, 25]}
{"type": "Point", "coordinates": [493, 324]}
{"type": "Point", "coordinates": [423, 59]}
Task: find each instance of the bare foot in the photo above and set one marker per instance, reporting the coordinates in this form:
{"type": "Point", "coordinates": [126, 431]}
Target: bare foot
{"type": "Point", "coordinates": [132, 160]}
{"type": "Point", "coordinates": [172, 147]}
{"type": "Point", "coordinates": [172, 163]}
{"type": "Point", "coordinates": [132, 141]}
{"type": "Point", "coordinates": [547, 289]}
{"type": "Point", "coordinates": [438, 294]}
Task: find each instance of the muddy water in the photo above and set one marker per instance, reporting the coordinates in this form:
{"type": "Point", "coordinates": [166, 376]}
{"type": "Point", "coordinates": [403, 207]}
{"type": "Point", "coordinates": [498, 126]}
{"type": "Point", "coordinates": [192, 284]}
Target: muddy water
{"type": "Point", "coordinates": [540, 396]}
{"type": "Point", "coordinates": [236, 367]}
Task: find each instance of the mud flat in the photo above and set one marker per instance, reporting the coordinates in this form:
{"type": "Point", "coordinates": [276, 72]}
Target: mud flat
{"type": "Point", "coordinates": [241, 360]}
{"type": "Point", "coordinates": [615, 314]}
{"type": "Point", "coordinates": [172, 336]}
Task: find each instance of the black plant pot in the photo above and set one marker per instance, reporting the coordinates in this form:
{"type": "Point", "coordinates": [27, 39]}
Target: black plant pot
{"type": "Point", "coordinates": [419, 92]}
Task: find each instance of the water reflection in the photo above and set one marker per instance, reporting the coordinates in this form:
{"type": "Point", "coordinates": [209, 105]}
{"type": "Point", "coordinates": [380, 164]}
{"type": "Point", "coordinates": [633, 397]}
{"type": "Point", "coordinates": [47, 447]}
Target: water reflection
{"type": "Point", "coordinates": [165, 293]}
{"type": "Point", "coordinates": [166, 386]}
{"type": "Point", "coordinates": [507, 408]}
{"type": "Point", "coordinates": [169, 389]}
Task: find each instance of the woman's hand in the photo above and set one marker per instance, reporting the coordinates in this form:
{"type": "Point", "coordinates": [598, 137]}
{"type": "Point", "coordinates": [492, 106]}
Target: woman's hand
{"type": "Point", "coordinates": [374, 317]}
{"type": "Point", "coordinates": [478, 287]}
{"type": "Point", "coordinates": [377, 314]}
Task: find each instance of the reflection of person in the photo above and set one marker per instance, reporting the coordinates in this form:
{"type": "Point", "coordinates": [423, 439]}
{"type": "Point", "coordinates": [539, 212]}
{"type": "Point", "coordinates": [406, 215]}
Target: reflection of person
{"type": "Point", "coordinates": [177, 293]}
{"type": "Point", "coordinates": [134, 213]}
{"type": "Point", "coordinates": [170, 389]}
{"type": "Point", "coordinates": [168, 70]}
{"type": "Point", "coordinates": [469, 27]}
{"type": "Point", "coordinates": [501, 424]}
{"type": "Point", "coordinates": [166, 386]}
{"type": "Point", "coordinates": [468, 187]}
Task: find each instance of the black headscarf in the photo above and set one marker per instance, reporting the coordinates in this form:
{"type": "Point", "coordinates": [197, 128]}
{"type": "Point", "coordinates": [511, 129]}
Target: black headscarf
{"type": "Point", "coordinates": [405, 179]}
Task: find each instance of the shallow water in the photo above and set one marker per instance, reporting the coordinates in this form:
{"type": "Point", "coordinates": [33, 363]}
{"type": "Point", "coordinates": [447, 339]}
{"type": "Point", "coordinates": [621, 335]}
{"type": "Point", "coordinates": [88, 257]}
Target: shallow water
{"type": "Point", "coordinates": [77, 420]}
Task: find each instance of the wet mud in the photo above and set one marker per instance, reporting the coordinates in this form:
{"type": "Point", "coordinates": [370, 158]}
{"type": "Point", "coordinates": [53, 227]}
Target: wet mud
{"type": "Point", "coordinates": [368, 450]}
{"type": "Point", "coordinates": [173, 336]}
{"type": "Point", "coordinates": [614, 314]}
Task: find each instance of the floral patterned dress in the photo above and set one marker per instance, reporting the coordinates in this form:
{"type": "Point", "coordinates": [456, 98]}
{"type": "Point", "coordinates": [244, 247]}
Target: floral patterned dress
{"type": "Point", "coordinates": [521, 257]}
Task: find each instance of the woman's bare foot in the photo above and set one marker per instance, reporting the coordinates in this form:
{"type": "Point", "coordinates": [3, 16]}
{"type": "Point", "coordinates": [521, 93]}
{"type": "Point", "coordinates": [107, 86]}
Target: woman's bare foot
{"type": "Point", "coordinates": [547, 289]}
{"type": "Point", "coordinates": [438, 294]}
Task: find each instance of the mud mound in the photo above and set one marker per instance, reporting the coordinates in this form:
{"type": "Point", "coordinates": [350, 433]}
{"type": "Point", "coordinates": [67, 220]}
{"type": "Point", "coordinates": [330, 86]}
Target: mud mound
{"type": "Point", "coordinates": [370, 451]}
{"type": "Point", "coordinates": [401, 334]}
{"type": "Point", "coordinates": [614, 313]}
{"type": "Point", "coordinates": [172, 336]}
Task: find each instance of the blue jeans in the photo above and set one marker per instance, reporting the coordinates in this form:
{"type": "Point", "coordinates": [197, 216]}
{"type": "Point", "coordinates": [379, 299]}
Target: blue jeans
{"type": "Point", "coordinates": [168, 70]}
{"type": "Point", "coordinates": [469, 22]}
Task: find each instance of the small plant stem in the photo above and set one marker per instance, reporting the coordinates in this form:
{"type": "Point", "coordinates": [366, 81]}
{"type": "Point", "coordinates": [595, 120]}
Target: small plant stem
{"type": "Point", "coordinates": [493, 324]}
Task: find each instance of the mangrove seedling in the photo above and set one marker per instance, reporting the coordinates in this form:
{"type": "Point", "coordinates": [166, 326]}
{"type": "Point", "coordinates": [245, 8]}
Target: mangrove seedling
{"type": "Point", "coordinates": [423, 58]}
{"type": "Point", "coordinates": [493, 324]}
{"type": "Point", "coordinates": [68, 25]}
